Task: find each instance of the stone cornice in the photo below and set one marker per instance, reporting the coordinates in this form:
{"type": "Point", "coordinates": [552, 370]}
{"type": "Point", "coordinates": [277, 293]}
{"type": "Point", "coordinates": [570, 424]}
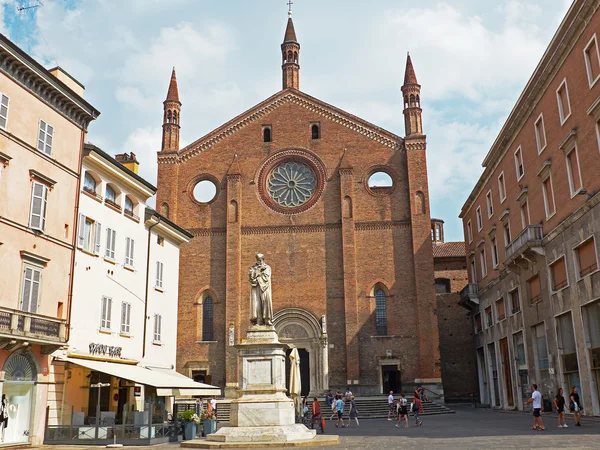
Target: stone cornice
{"type": "Point", "coordinates": [354, 123]}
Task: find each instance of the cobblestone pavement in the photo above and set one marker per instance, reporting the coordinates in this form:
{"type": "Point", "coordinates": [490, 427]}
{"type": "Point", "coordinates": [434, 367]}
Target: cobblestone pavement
{"type": "Point", "coordinates": [468, 429]}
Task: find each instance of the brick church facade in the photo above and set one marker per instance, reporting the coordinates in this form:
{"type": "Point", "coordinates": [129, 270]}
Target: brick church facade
{"type": "Point", "coordinates": [300, 181]}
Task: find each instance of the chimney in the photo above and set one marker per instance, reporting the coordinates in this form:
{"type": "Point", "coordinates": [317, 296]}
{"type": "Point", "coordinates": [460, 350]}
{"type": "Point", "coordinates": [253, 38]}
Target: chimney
{"type": "Point", "coordinates": [129, 161]}
{"type": "Point", "coordinates": [67, 79]}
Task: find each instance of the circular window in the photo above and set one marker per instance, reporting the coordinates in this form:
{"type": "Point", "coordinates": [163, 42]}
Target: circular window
{"type": "Point", "coordinates": [205, 191]}
{"type": "Point", "coordinates": [291, 184]}
{"type": "Point", "coordinates": [291, 181]}
{"type": "Point", "coordinates": [380, 180]}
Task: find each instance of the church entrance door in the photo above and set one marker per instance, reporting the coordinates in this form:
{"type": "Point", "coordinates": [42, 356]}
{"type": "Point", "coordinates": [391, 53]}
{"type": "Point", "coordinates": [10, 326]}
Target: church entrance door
{"type": "Point", "coordinates": [304, 371]}
{"type": "Point", "coordinates": [391, 380]}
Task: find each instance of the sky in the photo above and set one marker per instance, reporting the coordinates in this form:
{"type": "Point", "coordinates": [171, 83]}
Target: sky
{"type": "Point", "coordinates": [472, 58]}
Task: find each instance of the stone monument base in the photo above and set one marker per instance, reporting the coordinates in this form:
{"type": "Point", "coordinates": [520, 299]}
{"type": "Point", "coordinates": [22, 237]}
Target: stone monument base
{"type": "Point", "coordinates": [318, 441]}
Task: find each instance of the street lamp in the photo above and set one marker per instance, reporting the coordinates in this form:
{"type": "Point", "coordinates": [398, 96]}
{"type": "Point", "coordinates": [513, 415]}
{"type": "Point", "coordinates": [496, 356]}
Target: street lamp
{"type": "Point", "coordinates": [99, 386]}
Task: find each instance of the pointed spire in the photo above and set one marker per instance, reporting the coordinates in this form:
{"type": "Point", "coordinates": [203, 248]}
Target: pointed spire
{"type": "Point", "coordinates": [173, 93]}
{"type": "Point", "coordinates": [409, 74]}
{"type": "Point", "coordinates": [290, 33]}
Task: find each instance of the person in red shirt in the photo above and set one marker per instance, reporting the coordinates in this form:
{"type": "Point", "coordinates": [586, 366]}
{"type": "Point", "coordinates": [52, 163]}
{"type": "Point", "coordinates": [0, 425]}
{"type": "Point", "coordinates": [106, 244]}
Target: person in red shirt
{"type": "Point", "coordinates": [316, 413]}
{"type": "Point", "coordinates": [416, 410]}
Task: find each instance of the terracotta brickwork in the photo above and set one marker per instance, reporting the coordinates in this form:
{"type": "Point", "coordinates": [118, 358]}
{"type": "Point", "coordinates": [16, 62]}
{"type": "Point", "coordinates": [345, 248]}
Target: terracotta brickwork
{"type": "Point", "coordinates": [328, 261]}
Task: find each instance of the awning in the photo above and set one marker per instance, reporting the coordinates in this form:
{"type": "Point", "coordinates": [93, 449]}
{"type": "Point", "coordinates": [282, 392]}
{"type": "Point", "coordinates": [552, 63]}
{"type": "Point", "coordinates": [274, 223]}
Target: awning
{"type": "Point", "coordinates": [166, 382]}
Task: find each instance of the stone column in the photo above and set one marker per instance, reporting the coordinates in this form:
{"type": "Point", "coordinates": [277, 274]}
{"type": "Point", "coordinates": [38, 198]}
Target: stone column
{"type": "Point", "coordinates": [349, 261]}
{"type": "Point", "coordinates": [233, 279]}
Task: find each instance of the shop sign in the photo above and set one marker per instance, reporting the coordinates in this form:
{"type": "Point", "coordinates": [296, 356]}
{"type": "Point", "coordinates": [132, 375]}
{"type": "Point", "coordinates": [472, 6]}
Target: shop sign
{"type": "Point", "coordinates": [137, 391]}
{"type": "Point", "coordinates": [101, 349]}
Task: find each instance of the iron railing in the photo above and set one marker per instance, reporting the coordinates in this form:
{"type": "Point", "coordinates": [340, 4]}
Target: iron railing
{"type": "Point", "coordinates": [530, 236]}
{"type": "Point", "coordinates": [14, 322]}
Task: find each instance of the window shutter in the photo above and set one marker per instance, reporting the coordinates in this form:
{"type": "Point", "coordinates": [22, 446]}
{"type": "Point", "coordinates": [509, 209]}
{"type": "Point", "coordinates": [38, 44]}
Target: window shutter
{"type": "Point", "coordinates": [113, 244]}
{"type": "Point", "coordinates": [49, 137]}
{"type": "Point", "coordinates": [108, 238]}
{"type": "Point", "coordinates": [3, 111]}
{"type": "Point", "coordinates": [131, 252]}
{"type": "Point", "coordinates": [42, 136]}
{"type": "Point", "coordinates": [38, 206]}
{"type": "Point", "coordinates": [27, 281]}
{"type": "Point", "coordinates": [81, 232]}
{"type": "Point", "coordinates": [103, 312]}
{"type": "Point", "coordinates": [123, 317]}
{"type": "Point", "coordinates": [161, 274]}
{"type": "Point", "coordinates": [35, 291]}
{"type": "Point", "coordinates": [98, 235]}
{"type": "Point", "coordinates": [128, 316]}
{"type": "Point", "coordinates": [108, 311]}
{"type": "Point", "coordinates": [127, 245]}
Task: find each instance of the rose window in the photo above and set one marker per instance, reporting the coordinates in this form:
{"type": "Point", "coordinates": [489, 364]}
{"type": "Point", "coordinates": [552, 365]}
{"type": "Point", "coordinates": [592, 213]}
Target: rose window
{"type": "Point", "coordinates": [291, 184]}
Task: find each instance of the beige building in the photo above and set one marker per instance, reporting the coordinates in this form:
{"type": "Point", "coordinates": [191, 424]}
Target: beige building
{"type": "Point", "coordinates": [43, 123]}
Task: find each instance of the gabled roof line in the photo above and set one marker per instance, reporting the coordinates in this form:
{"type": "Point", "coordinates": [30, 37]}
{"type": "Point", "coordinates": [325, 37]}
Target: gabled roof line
{"type": "Point", "coordinates": [337, 115]}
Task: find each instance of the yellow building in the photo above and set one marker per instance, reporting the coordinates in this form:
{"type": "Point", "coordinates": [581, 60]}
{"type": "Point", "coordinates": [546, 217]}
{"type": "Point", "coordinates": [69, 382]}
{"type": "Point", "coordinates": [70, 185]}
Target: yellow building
{"type": "Point", "coordinates": [43, 124]}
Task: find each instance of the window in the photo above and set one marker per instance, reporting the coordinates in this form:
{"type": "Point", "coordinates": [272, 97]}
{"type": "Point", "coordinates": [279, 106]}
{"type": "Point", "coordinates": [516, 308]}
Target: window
{"type": "Point", "coordinates": [564, 106]}
{"type": "Point", "coordinates": [39, 200]}
{"type": "Point", "coordinates": [500, 311]}
{"type": "Point", "coordinates": [207, 319]}
{"type": "Point", "coordinates": [110, 196]}
{"type": "Point", "coordinates": [105, 311]}
{"type": "Point", "coordinates": [129, 247]}
{"type": "Point", "coordinates": [315, 132]}
{"type": "Point", "coordinates": [128, 206]}
{"type": "Point", "coordinates": [157, 327]}
{"type": "Point", "coordinates": [501, 187]}
{"type": "Point", "coordinates": [534, 288]}
{"type": "Point", "coordinates": [111, 239]}
{"type": "Point", "coordinates": [473, 271]}
{"type": "Point", "coordinates": [490, 204]}
{"type": "Point", "coordinates": [45, 137]}
{"type": "Point", "coordinates": [540, 134]}
{"type": "Point", "coordinates": [567, 349]}
{"type": "Point", "coordinates": [558, 272]}
{"type": "Point", "coordinates": [494, 252]}
{"type": "Point", "coordinates": [477, 320]}
{"type": "Point", "coordinates": [548, 192]}
{"type": "Point", "coordinates": [573, 172]}
{"type": "Point", "coordinates": [159, 274]}
{"type": "Point", "coordinates": [482, 263]}
{"type": "Point", "coordinates": [267, 134]}
{"type": "Point", "coordinates": [489, 317]}
{"type": "Point", "coordinates": [438, 232]}
{"type": "Point", "coordinates": [469, 232]}
{"type": "Point", "coordinates": [541, 347]}
{"type": "Point", "coordinates": [591, 55]}
{"type": "Point", "coordinates": [89, 234]}
{"type": "Point", "coordinates": [380, 313]}
{"type": "Point", "coordinates": [585, 258]}
{"type": "Point", "coordinates": [519, 163]}
{"type": "Point", "coordinates": [125, 317]}
{"type": "Point", "coordinates": [515, 301]}
{"type": "Point", "coordinates": [4, 102]}
{"type": "Point", "coordinates": [525, 221]}
{"type": "Point", "coordinates": [442, 286]}
{"type": "Point", "coordinates": [89, 183]}
{"type": "Point", "coordinates": [479, 219]}
{"type": "Point", "coordinates": [30, 289]}
{"type": "Point", "coordinates": [507, 237]}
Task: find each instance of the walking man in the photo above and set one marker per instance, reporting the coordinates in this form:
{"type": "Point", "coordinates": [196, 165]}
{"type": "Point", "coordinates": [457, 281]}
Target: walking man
{"type": "Point", "coordinates": [536, 399]}
{"type": "Point", "coordinates": [339, 406]}
{"type": "Point", "coordinates": [390, 404]}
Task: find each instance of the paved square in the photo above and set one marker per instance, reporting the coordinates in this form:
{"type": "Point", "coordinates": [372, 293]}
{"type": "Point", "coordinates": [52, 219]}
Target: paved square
{"type": "Point", "coordinates": [468, 429]}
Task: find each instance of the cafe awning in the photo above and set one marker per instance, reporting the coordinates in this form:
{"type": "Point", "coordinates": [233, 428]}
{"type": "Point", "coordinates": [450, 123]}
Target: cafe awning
{"type": "Point", "coordinates": [166, 382]}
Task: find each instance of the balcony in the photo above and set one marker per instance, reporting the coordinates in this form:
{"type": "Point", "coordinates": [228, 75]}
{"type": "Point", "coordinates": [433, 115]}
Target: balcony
{"type": "Point", "coordinates": [527, 245]}
{"type": "Point", "coordinates": [469, 296]}
{"type": "Point", "coordinates": [21, 328]}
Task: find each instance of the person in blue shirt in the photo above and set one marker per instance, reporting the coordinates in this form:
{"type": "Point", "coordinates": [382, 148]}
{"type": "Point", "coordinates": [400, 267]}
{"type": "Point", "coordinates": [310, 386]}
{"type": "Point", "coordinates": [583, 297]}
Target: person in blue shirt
{"type": "Point", "coordinates": [339, 406]}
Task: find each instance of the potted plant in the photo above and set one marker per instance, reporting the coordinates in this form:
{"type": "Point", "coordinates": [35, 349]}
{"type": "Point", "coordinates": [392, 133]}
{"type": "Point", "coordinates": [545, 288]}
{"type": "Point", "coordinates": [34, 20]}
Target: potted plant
{"type": "Point", "coordinates": [209, 422]}
{"type": "Point", "coordinates": [190, 419]}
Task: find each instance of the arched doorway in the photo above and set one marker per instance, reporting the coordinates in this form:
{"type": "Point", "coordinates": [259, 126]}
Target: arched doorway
{"type": "Point", "coordinates": [299, 328]}
{"type": "Point", "coordinates": [20, 372]}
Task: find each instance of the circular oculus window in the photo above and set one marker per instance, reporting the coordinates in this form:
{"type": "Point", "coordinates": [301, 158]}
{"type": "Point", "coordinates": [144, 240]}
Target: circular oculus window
{"type": "Point", "coordinates": [291, 184]}
{"type": "Point", "coordinates": [205, 191]}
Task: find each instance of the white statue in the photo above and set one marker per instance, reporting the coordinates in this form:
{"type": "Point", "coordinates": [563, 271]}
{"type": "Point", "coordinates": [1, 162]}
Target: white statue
{"type": "Point", "coordinates": [261, 308]}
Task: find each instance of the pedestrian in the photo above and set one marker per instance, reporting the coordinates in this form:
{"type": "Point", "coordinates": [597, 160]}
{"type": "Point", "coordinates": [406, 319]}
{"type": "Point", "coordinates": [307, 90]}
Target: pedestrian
{"type": "Point", "coordinates": [348, 394]}
{"type": "Point", "coordinates": [339, 406]}
{"type": "Point", "coordinates": [559, 404]}
{"type": "Point", "coordinates": [391, 405]}
{"type": "Point", "coordinates": [213, 402]}
{"type": "Point", "coordinates": [538, 407]}
{"type": "Point", "coordinates": [417, 405]}
{"type": "Point", "coordinates": [305, 405]}
{"type": "Point", "coordinates": [353, 412]}
{"type": "Point", "coordinates": [329, 398]}
{"type": "Point", "coordinates": [575, 406]}
{"type": "Point", "coordinates": [334, 409]}
{"type": "Point", "coordinates": [316, 413]}
{"type": "Point", "coordinates": [403, 413]}
{"type": "Point", "coordinates": [418, 392]}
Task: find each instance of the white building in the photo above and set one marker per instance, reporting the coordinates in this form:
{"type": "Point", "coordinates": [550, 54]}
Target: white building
{"type": "Point", "coordinates": [124, 308]}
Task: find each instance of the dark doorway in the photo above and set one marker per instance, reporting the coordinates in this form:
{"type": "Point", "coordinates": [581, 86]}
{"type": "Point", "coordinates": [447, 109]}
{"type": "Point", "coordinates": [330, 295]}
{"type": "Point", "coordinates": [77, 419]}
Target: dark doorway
{"type": "Point", "coordinates": [201, 376]}
{"type": "Point", "coordinates": [304, 371]}
{"type": "Point", "coordinates": [390, 377]}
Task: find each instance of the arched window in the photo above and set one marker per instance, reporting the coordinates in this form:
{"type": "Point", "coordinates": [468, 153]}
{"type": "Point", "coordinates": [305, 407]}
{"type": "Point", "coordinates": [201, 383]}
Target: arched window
{"type": "Point", "coordinates": [20, 367]}
{"type": "Point", "coordinates": [267, 134]}
{"type": "Point", "coordinates": [412, 100]}
{"type": "Point", "coordinates": [164, 210]}
{"type": "Point", "coordinates": [296, 57]}
{"type": "Point", "coordinates": [169, 116]}
{"type": "Point", "coordinates": [208, 313]}
{"type": "Point", "coordinates": [290, 57]}
{"type": "Point", "coordinates": [174, 116]}
{"type": "Point", "coordinates": [89, 183]}
{"type": "Point", "coordinates": [380, 312]}
{"type": "Point", "coordinates": [315, 131]}
{"type": "Point", "coordinates": [111, 195]}
{"type": "Point", "coordinates": [418, 101]}
{"type": "Point", "coordinates": [128, 206]}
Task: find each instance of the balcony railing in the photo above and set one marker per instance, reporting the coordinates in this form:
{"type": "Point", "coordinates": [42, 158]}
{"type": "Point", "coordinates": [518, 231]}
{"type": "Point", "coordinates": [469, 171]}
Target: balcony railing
{"type": "Point", "coordinates": [529, 237]}
{"type": "Point", "coordinates": [16, 323]}
{"type": "Point", "coordinates": [129, 213]}
{"type": "Point", "coordinates": [113, 204]}
{"type": "Point", "coordinates": [469, 296]}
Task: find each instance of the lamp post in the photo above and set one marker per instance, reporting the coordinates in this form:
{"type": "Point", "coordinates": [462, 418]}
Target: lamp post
{"type": "Point", "coordinates": [99, 386]}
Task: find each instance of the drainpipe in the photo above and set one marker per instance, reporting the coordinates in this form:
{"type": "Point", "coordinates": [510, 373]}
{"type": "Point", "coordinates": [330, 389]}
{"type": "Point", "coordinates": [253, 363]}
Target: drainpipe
{"type": "Point", "coordinates": [147, 280]}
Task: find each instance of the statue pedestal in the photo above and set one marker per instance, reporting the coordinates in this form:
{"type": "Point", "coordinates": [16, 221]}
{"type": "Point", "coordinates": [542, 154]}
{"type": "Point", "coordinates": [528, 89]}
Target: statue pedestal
{"type": "Point", "coordinates": [263, 413]}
